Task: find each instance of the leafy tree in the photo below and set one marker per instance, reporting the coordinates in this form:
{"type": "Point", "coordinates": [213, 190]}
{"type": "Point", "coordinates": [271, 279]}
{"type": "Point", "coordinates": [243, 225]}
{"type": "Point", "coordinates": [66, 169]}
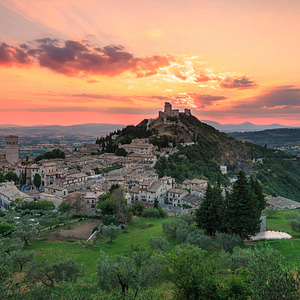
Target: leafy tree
{"type": "Point", "coordinates": [228, 242]}
{"type": "Point", "coordinates": [188, 218]}
{"type": "Point", "coordinates": [65, 206]}
{"type": "Point", "coordinates": [9, 245]}
{"type": "Point", "coordinates": [76, 201]}
{"type": "Point", "coordinates": [6, 228]}
{"type": "Point", "coordinates": [19, 258]}
{"type": "Point", "coordinates": [158, 243]}
{"type": "Point", "coordinates": [111, 231]}
{"type": "Point", "coordinates": [151, 213]}
{"type": "Point", "coordinates": [271, 278]}
{"type": "Point", "coordinates": [36, 205]}
{"type": "Point", "coordinates": [135, 272]}
{"type": "Point", "coordinates": [183, 232]}
{"type": "Point", "coordinates": [170, 227]}
{"type": "Point", "coordinates": [25, 232]}
{"type": "Point", "coordinates": [138, 208]}
{"type": "Point", "coordinates": [12, 176]}
{"type": "Point", "coordinates": [109, 219]}
{"type": "Point", "coordinates": [270, 211]}
{"type": "Point", "coordinates": [242, 211]}
{"type": "Point", "coordinates": [192, 274]}
{"type": "Point", "coordinates": [295, 225]}
{"type": "Point", "coordinates": [198, 239]}
{"type": "Point", "coordinates": [37, 180]}
{"type": "Point", "coordinates": [49, 275]}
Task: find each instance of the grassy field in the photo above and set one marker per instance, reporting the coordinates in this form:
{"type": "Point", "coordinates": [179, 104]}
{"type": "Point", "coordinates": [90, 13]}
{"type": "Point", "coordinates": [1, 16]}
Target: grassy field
{"type": "Point", "coordinates": [278, 222]}
{"type": "Point", "coordinates": [134, 236]}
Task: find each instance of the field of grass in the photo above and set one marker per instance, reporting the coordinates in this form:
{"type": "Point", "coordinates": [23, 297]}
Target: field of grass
{"type": "Point", "coordinates": [278, 222]}
{"type": "Point", "coordinates": [133, 236]}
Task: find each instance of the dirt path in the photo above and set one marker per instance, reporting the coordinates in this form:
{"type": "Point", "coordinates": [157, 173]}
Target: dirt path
{"type": "Point", "coordinates": [79, 232]}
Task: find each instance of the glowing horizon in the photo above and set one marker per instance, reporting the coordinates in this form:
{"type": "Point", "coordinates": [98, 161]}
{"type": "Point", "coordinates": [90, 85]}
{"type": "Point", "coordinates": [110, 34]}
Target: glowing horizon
{"type": "Point", "coordinates": [71, 62]}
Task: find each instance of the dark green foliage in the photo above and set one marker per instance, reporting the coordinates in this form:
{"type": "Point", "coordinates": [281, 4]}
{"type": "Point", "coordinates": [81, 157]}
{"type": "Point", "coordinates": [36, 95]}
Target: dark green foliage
{"type": "Point", "coordinates": [208, 215]}
{"type": "Point", "coordinates": [64, 206]}
{"type": "Point", "coordinates": [228, 242]}
{"type": "Point", "coordinates": [241, 211]}
{"type": "Point", "coordinates": [6, 228]}
{"type": "Point", "coordinates": [138, 208]}
{"type": "Point", "coordinates": [56, 153]}
{"type": "Point", "coordinates": [159, 243]}
{"type": "Point", "coordinates": [37, 180]}
{"type": "Point", "coordinates": [192, 274]}
{"type": "Point", "coordinates": [36, 205]}
{"type": "Point", "coordinates": [155, 203]}
{"type": "Point", "coordinates": [12, 176]}
{"type": "Point", "coordinates": [18, 259]}
{"type": "Point", "coordinates": [183, 232]}
{"type": "Point", "coordinates": [270, 278]}
{"type": "Point", "coordinates": [198, 239]}
{"type": "Point", "coordinates": [257, 189]}
{"type": "Point", "coordinates": [2, 177]}
{"type": "Point", "coordinates": [49, 275]}
{"type": "Point", "coordinates": [295, 225]}
{"type": "Point", "coordinates": [9, 245]}
{"type": "Point", "coordinates": [127, 273]}
{"type": "Point", "coordinates": [170, 227]}
{"type": "Point", "coordinates": [121, 152]}
{"type": "Point", "coordinates": [151, 213]}
{"type": "Point", "coordinates": [111, 231]}
{"type": "Point", "coordinates": [25, 232]}
{"type": "Point", "coordinates": [109, 219]}
{"type": "Point", "coordinates": [235, 287]}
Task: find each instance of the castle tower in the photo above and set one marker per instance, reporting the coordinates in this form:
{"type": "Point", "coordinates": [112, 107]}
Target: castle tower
{"type": "Point", "coordinates": [168, 108]}
{"type": "Point", "coordinates": [11, 149]}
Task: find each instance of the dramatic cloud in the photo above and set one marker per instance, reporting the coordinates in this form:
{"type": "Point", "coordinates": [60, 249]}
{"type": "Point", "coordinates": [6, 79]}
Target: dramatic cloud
{"type": "Point", "coordinates": [75, 58]}
{"type": "Point", "coordinates": [237, 83]}
{"type": "Point", "coordinates": [10, 56]}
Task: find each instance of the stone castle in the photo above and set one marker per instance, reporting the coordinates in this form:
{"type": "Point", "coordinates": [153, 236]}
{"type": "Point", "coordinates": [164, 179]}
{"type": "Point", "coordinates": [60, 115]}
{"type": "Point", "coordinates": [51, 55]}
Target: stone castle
{"type": "Point", "coordinates": [169, 112]}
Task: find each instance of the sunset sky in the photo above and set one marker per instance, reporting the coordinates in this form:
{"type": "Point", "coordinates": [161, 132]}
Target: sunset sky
{"type": "Point", "coordinates": [117, 61]}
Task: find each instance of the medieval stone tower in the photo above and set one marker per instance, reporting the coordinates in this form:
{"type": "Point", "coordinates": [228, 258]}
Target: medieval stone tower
{"type": "Point", "coordinates": [11, 149]}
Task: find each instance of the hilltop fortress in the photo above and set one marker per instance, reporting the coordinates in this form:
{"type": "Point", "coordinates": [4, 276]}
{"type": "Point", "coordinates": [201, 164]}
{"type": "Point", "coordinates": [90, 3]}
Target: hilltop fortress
{"type": "Point", "coordinates": [169, 112]}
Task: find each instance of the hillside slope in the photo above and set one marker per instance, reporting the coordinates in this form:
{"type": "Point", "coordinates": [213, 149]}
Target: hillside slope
{"type": "Point", "coordinates": [279, 173]}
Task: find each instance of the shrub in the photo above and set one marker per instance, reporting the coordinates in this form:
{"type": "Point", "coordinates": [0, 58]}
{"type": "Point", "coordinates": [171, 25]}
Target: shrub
{"type": "Point", "coordinates": [170, 227]}
{"type": "Point", "coordinates": [228, 241]}
{"type": "Point", "coordinates": [6, 228]}
{"type": "Point", "coordinates": [147, 225]}
{"type": "Point", "coordinates": [151, 213]}
{"type": "Point", "coordinates": [109, 219]}
{"type": "Point", "coordinates": [183, 232]}
{"type": "Point", "coordinates": [198, 239]}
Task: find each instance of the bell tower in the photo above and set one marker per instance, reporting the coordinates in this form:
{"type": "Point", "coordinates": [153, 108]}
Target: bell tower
{"type": "Point", "coordinates": [11, 149]}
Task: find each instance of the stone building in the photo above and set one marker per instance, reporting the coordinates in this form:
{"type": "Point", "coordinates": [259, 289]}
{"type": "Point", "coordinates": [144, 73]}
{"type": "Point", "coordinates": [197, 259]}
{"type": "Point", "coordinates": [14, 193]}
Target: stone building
{"type": "Point", "coordinates": [11, 149]}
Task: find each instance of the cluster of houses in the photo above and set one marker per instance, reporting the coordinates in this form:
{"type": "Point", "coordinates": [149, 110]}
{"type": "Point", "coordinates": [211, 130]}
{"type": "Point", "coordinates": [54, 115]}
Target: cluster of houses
{"type": "Point", "coordinates": [88, 175]}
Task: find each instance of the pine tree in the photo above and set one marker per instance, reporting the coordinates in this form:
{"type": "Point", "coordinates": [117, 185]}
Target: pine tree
{"type": "Point", "coordinates": [257, 189]}
{"type": "Point", "coordinates": [242, 211]}
{"type": "Point", "coordinates": [208, 215]}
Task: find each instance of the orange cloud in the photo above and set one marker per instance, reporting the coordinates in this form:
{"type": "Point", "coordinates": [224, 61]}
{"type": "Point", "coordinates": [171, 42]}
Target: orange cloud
{"type": "Point", "coordinates": [10, 56]}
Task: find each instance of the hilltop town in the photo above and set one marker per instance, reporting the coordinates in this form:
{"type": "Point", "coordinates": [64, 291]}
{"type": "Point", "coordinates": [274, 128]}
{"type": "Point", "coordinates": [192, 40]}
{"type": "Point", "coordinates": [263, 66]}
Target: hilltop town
{"type": "Point", "coordinates": [86, 173]}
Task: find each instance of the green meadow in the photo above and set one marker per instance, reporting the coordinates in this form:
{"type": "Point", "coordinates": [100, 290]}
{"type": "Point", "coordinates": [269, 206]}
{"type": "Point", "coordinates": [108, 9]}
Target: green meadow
{"type": "Point", "coordinates": [88, 253]}
{"type": "Point", "coordinates": [136, 237]}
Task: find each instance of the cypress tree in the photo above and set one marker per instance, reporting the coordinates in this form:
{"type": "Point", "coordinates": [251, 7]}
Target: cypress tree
{"type": "Point", "coordinates": [242, 211]}
{"type": "Point", "coordinates": [208, 215]}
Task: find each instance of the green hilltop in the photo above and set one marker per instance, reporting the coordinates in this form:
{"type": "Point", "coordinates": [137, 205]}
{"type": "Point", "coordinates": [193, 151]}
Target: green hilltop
{"type": "Point", "coordinates": [203, 149]}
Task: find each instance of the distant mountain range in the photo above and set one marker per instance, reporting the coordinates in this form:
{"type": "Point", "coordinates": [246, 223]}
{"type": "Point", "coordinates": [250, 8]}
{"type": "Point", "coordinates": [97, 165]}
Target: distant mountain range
{"type": "Point", "coordinates": [105, 128]}
{"type": "Point", "coordinates": [247, 126]}
{"type": "Point", "coordinates": [88, 128]}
